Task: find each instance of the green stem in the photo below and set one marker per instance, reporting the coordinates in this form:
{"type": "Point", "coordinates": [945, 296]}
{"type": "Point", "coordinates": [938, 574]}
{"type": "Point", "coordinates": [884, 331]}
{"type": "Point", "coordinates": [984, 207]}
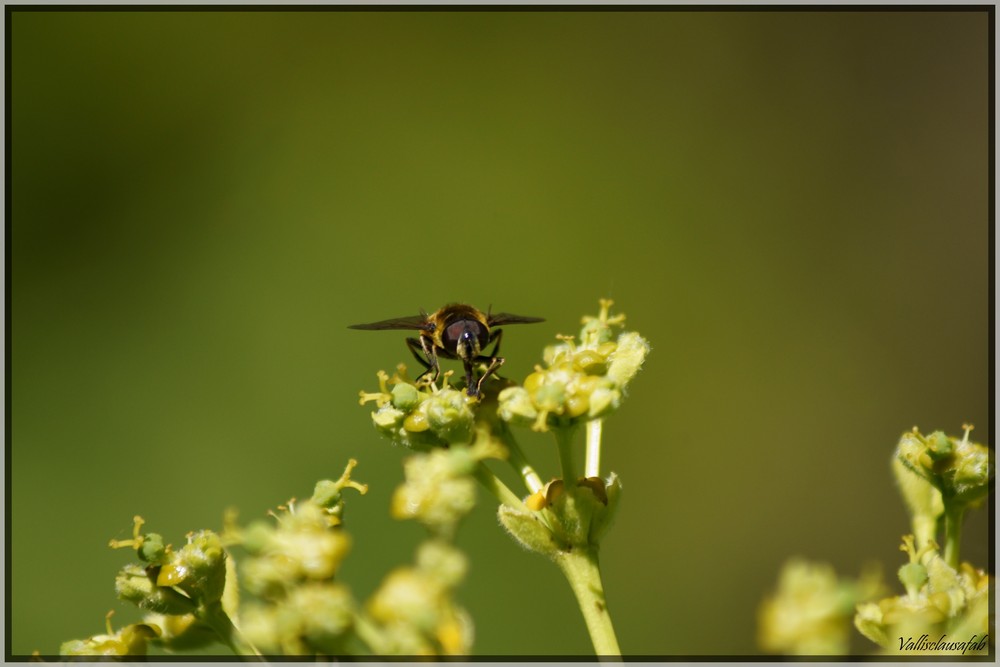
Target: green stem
{"type": "Point", "coordinates": [216, 618]}
{"type": "Point", "coordinates": [520, 462]}
{"type": "Point", "coordinates": [592, 462]}
{"type": "Point", "coordinates": [370, 635]}
{"type": "Point", "coordinates": [564, 438]}
{"type": "Point", "coordinates": [584, 575]}
{"type": "Point", "coordinates": [953, 534]}
{"type": "Point", "coordinates": [495, 486]}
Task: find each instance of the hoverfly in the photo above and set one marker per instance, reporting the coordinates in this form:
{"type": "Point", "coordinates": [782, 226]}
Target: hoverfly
{"type": "Point", "coordinates": [456, 331]}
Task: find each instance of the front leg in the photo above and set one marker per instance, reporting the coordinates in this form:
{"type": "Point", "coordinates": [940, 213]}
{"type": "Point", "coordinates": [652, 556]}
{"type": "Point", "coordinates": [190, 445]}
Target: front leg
{"type": "Point", "coordinates": [495, 363]}
{"type": "Point", "coordinates": [472, 389]}
{"type": "Point", "coordinates": [494, 360]}
{"type": "Point", "coordinates": [424, 352]}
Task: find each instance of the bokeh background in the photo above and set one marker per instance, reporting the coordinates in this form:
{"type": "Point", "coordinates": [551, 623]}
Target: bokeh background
{"type": "Point", "coordinates": [791, 206]}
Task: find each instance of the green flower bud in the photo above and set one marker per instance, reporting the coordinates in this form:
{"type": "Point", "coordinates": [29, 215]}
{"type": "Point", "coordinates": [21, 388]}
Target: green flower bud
{"type": "Point", "coordinates": [938, 445]}
{"type": "Point", "coordinates": [137, 585]}
{"type": "Point", "coordinates": [152, 549]}
{"type": "Point", "coordinates": [406, 397]}
{"type": "Point", "coordinates": [200, 568]}
{"type": "Point", "coordinates": [328, 495]}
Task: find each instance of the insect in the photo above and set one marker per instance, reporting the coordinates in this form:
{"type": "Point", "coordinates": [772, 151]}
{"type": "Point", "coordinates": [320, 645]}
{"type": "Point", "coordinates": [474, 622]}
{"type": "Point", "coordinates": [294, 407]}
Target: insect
{"type": "Point", "coordinates": [456, 331]}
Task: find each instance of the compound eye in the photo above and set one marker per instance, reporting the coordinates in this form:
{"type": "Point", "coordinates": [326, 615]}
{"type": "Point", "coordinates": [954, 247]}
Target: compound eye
{"type": "Point", "coordinates": [457, 331]}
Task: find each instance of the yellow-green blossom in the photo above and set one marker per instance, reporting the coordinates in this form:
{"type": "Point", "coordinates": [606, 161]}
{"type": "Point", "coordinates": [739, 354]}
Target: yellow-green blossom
{"type": "Point", "coordinates": [439, 488]}
{"type": "Point", "coordinates": [314, 619]}
{"type": "Point", "coordinates": [301, 546]}
{"type": "Point", "coordinates": [415, 609]}
{"type": "Point", "coordinates": [810, 613]}
{"type": "Point", "coordinates": [940, 601]}
{"type": "Point", "coordinates": [959, 470]}
{"type": "Point", "coordinates": [131, 640]}
{"type": "Point", "coordinates": [421, 416]}
{"type": "Point", "coordinates": [580, 380]}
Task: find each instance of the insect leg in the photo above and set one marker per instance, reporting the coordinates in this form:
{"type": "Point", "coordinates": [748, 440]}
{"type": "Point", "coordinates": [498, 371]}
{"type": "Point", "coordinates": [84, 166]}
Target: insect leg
{"type": "Point", "coordinates": [431, 353]}
{"type": "Point", "coordinates": [471, 389]}
{"type": "Point", "coordinates": [419, 351]}
{"type": "Point", "coordinates": [495, 361]}
{"type": "Point", "coordinates": [495, 337]}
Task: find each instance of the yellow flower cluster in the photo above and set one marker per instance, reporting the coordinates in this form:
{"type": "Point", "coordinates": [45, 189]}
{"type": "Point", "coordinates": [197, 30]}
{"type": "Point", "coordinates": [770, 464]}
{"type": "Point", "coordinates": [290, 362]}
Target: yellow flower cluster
{"type": "Point", "coordinates": [940, 602]}
{"type": "Point", "coordinates": [131, 640]}
{"type": "Point", "coordinates": [580, 380]}
{"type": "Point", "coordinates": [810, 613]}
{"type": "Point", "coordinates": [421, 416]}
{"type": "Point", "coordinates": [414, 609]}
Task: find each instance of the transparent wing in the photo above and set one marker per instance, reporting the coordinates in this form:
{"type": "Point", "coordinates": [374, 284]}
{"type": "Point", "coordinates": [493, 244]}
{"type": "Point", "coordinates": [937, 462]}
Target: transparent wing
{"type": "Point", "coordinates": [497, 319]}
{"type": "Point", "coordinates": [411, 322]}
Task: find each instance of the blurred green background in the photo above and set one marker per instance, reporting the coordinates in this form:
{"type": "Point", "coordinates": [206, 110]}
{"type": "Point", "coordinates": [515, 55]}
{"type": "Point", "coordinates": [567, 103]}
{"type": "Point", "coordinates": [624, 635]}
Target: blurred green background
{"type": "Point", "coordinates": [791, 206]}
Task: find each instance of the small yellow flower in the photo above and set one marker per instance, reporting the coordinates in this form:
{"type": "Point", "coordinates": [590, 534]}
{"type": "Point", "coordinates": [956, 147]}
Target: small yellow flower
{"type": "Point", "coordinates": [580, 381]}
{"type": "Point", "coordinates": [131, 640]}
{"type": "Point", "coordinates": [810, 613]}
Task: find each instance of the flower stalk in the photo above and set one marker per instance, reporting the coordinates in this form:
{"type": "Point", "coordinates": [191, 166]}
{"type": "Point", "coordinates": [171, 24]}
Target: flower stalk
{"type": "Point", "coordinates": [583, 380]}
{"type": "Point", "coordinates": [583, 572]}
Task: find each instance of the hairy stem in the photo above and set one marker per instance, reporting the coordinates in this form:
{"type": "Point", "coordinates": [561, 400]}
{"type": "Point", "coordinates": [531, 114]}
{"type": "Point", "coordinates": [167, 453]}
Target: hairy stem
{"type": "Point", "coordinates": [564, 438]}
{"type": "Point", "coordinates": [495, 486]}
{"type": "Point", "coordinates": [216, 618]}
{"type": "Point", "coordinates": [517, 459]}
{"type": "Point", "coordinates": [953, 535]}
{"type": "Point", "coordinates": [584, 575]}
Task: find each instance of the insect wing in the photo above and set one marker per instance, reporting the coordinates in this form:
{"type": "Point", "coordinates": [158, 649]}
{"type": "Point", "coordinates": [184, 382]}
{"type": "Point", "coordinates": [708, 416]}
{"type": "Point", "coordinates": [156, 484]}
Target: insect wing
{"type": "Point", "coordinates": [508, 318]}
{"type": "Point", "coordinates": [412, 322]}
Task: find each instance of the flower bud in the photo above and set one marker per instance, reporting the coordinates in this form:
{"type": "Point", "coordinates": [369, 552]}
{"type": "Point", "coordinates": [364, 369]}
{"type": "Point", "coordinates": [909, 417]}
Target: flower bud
{"type": "Point", "coordinates": [449, 416]}
{"type": "Point", "coordinates": [137, 585]}
{"type": "Point", "coordinates": [198, 568]}
{"type": "Point", "coordinates": [132, 640]}
{"type": "Point", "coordinates": [516, 406]}
{"type": "Point", "coordinates": [438, 490]}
